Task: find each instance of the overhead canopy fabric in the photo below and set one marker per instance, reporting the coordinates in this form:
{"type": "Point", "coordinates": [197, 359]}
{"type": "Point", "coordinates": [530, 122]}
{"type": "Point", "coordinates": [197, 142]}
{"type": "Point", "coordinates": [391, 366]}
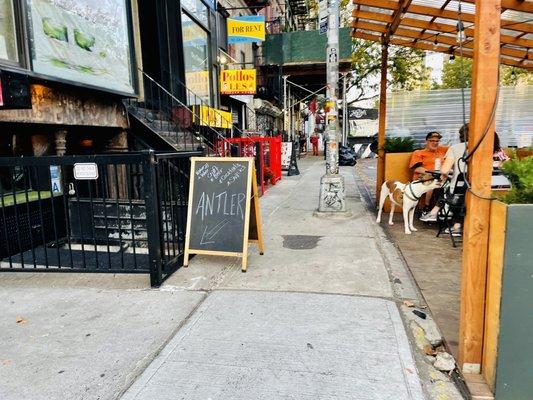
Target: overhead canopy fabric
{"type": "Point", "coordinates": [433, 25]}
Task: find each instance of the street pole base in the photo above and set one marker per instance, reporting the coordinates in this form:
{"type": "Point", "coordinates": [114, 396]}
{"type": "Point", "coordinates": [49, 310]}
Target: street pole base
{"type": "Point", "coordinates": [332, 194]}
{"type": "Point", "coordinates": [336, 215]}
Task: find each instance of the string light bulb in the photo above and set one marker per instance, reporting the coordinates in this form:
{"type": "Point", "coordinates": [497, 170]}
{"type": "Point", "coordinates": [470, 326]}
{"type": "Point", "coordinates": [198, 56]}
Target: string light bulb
{"type": "Point", "coordinates": [460, 32]}
{"type": "Point", "coordinates": [436, 42]}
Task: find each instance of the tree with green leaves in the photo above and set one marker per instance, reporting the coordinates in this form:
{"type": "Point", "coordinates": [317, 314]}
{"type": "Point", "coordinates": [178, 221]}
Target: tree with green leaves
{"type": "Point", "coordinates": [514, 76]}
{"type": "Point", "coordinates": [405, 66]}
{"type": "Point", "coordinates": [457, 73]}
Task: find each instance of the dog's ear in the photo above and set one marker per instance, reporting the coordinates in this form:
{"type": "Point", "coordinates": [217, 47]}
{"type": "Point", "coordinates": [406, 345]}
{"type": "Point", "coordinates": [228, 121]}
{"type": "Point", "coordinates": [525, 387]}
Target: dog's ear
{"type": "Point", "coordinates": [426, 178]}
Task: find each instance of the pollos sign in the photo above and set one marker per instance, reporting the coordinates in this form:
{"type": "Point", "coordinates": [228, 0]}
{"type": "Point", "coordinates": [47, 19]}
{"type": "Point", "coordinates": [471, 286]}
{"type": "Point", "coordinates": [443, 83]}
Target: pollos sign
{"type": "Point", "coordinates": [238, 81]}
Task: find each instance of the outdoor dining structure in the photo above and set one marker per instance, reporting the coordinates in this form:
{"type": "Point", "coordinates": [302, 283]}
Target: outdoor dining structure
{"type": "Point", "coordinates": [491, 32]}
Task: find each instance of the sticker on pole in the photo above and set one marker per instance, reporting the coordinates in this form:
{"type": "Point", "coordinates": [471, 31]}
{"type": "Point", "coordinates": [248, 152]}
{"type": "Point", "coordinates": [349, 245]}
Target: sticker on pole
{"type": "Point", "coordinates": [323, 16]}
{"type": "Point", "coordinates": [323, 26]}
{"type": "Point", "coordinates": [85, 171]}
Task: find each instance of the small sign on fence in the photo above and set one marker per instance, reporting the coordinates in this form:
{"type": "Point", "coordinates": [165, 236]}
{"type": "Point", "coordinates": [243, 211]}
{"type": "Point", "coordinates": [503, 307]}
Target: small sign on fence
{"type": "Point", "coordinates": [286, 151]}
{"type": "Point", "coordinates": [85, 171]}
{"type": "Point", "coordinates": [55, 179]}
{"type": "Point", "coordinates": [223, 214]}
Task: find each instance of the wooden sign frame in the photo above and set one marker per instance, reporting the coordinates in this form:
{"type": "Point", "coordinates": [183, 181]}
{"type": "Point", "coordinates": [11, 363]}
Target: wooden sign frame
{"type": "Point", "coordinates": [252, 197]}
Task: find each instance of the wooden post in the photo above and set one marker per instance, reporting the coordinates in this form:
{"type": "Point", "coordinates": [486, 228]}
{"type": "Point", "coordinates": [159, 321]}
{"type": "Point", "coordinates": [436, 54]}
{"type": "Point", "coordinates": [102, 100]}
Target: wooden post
{"type": "Point", "coordinates": [476, 229]}
{"type": "Point", "coordinates": [382, 117]}
{"type": "Point", "coordinates": [117, 174]}
{"type": "Point", "coordinates": [61, 142]}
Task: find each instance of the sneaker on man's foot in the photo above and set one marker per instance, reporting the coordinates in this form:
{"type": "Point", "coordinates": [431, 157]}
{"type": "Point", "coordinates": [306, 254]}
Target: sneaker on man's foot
{"type": "Point", "coordinates": [428, 217]}
{"type": "Point", "coordinates": [456, 233]}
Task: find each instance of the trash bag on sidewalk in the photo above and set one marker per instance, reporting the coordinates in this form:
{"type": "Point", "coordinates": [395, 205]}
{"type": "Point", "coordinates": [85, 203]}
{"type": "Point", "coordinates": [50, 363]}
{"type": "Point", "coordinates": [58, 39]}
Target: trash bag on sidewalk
{"type": "Point", "coordinates": [346, 156]}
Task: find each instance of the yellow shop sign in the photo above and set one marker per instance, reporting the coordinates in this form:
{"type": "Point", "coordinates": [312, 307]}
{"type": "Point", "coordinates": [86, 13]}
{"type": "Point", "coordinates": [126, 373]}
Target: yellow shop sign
{"type": "Point", "coordinates": [248, 28]}
{"type": "Point", "coordinates": [238, 81]}
{"type": "Point", "coordinates": [212, 117]}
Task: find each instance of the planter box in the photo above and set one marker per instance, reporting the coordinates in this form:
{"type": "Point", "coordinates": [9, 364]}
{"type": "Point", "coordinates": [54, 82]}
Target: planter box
{"type": "Point", "coordinates": [397, 169]}
{"type": "Point", "coordinates": [508, 343]}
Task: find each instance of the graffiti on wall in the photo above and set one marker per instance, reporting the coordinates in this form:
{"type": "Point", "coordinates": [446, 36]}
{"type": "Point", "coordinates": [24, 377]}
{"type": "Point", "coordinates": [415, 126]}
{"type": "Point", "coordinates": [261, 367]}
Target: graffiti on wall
{"type": "Point", "coordinates": [265, 123]}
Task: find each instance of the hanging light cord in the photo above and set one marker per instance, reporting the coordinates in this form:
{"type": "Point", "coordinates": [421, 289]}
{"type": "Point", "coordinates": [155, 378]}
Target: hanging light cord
{"type": "Point", "coordinates": [460, 27]}
{"type": "Point", "coordinates": [466, 156]}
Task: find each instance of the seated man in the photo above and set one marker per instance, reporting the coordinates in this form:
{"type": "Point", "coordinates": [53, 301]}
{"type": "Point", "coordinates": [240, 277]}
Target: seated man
{"type": "Point", "coordinates": [425, 159]}
{"type": "Point", "coordinates": [453, 164]}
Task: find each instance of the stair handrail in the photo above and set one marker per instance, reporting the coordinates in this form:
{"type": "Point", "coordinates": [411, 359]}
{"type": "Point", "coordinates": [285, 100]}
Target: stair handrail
{"type": "Point", "coordinates": [255, 116]}
{"type": "Point", "coordinates": [191, 110]}
{"type": "Point", "coordinates": [176, 79]}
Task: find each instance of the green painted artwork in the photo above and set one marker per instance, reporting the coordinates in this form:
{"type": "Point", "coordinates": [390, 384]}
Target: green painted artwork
{"type": "Point", "coordinates": [58, 32]}
{"type": "Point", "coordinates": [87, 44]}
{"type": "Point", "coordinates": [85, 41]}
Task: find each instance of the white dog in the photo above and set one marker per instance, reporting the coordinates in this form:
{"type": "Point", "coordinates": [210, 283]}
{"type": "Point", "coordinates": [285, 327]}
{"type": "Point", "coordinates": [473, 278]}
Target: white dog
{"type": "Point", "coordinates": [406, 195]}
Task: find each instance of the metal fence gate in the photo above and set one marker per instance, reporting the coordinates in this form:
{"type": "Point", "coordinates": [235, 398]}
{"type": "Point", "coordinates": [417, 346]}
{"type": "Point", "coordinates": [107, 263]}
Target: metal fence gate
{"type": "Point", "coordinates": [116, 213]}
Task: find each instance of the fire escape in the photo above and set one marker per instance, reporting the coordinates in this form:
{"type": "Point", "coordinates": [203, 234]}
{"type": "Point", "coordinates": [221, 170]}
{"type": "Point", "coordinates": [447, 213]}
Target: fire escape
{"type": "Point", "coordinates": [295, 48]}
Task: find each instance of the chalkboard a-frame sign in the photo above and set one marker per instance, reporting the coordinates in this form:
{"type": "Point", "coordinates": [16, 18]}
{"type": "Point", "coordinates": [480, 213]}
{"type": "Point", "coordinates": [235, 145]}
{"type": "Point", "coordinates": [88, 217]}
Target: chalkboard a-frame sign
{"type": "Point", "coordinates": [223, 214]}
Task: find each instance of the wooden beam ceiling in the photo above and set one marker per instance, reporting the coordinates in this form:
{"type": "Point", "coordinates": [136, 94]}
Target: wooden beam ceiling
{"type": "Point", "coordinates": [446, 14]}
{"type": "Point", "coordinates": [403, 5]}
{"type": "Point", "coordinates": [393, 24]}
{"type": "Point", "coordinates": [440, 48]}
{"type": "Point", "coordinates": [435, 26]}
{"type": "Point", "coordinates": [434, 38]}
{"type": "Point", "coordinates": [517, 5]}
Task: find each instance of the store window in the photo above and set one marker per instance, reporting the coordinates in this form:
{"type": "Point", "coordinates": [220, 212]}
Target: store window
{"type": "Point", "coordinates": [196, 55]}
{"type": "Point", "coordinates": [197, 9]}
{"type": "Point", "coordinates": [8, 32]}
{"type": "Point", "coordinates": [83, 41]}
{"type": "Point", "coordinates": [222, 31]}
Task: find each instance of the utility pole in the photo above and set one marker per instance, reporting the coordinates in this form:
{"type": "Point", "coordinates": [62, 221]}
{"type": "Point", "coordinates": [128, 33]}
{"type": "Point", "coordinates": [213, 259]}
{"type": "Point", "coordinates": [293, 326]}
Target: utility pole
{"type": "Point", "coordinates": [344, 111]}
{"type": "Point", "coordinates": [285, 113]}
{"type": "Point", "coordinates": [332, 188]}
{"type": "Point", "coordinates": [289, 111]}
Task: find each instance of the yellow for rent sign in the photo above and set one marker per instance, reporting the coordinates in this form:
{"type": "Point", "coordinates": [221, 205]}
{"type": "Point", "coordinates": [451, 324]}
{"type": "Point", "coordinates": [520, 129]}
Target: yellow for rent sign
{"type": "Point", "coordinates": [238, 81]}
{"type": "Point", "coordinates": [247, 28]}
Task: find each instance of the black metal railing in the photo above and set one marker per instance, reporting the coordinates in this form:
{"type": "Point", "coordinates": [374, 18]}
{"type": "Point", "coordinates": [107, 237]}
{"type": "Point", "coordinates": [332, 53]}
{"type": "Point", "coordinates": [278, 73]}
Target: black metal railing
{"type": "Point", "coordinates": [282, 24]}
{"type": "Point", "coordinates": [128, 217]}
{"type": "Point", "coordinates": [184, 126]}
{"type": "Point", "coordinates": [195, 102]}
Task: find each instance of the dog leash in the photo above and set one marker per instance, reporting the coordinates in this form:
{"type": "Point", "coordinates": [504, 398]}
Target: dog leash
{"type": "Point", "coordinates": [415, 198]}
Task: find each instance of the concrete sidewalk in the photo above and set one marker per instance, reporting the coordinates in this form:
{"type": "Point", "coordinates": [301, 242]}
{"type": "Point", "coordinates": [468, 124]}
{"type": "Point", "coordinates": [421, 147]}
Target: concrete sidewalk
{"type": "Point", "coordinates": [319, 316]}
{"type": "Point", "coordinates": [279, 345]}
{"type": "Point", "coordinates": [316, 317]}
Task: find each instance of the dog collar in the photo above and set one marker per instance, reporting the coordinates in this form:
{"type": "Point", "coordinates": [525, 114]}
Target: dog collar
{"type": "Point", "coordinates": [414, 198]}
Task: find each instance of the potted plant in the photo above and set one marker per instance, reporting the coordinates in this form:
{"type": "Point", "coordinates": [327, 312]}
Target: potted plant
{"type": "Point", "coordinates": [508, 322]}
{"type": "Point", "coordinates": [399, 145]}
{"type": "Point", "coordinates": [398, 152]}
